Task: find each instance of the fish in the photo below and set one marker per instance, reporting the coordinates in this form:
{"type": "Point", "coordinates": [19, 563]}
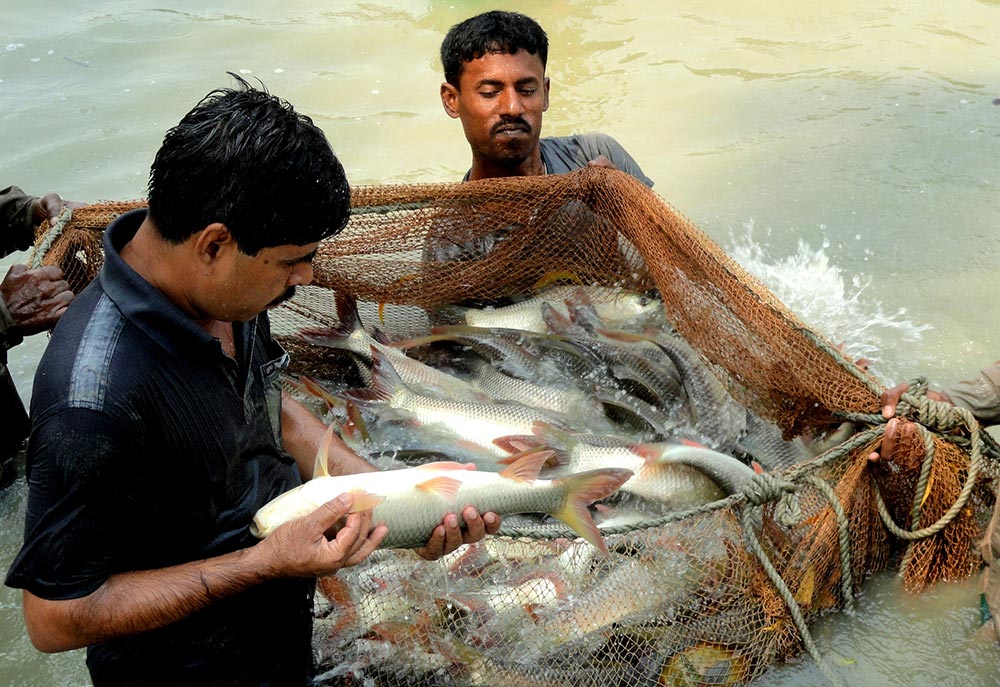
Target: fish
{"type": "Point", "coordinates": [494, 612]}
{"type": "Point", "coordinates": [413, 501]}
{"type": "Point", "coordinates": [617, 307]}
{"type": "Point", "coordinates": [677, 475]}
{"type": "Point", "coordinates": [474, 423]}
{"type": "Point", "coordinates": [554, 361]}
{"type": "Point", "coordinates": [566, 401]}
{"type": "Point", "coordinates": [350, 335]}
{"type": "Point", "coordinates": [652, 378]}
{"type": "Point", "coordinates": [634, 590]}
{"type": "Point", "coordinates": [715, 413]}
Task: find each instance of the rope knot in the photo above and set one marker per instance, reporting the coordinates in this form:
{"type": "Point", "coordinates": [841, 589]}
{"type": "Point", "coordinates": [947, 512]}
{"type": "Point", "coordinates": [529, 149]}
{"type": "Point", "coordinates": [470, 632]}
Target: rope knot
{"type": "Point", "coordinates": [937, 415]}
{"type": "Point", "coordinates": [762, 488]}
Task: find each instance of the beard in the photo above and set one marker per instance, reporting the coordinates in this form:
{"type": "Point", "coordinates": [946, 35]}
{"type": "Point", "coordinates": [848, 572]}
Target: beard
{"type": "Point", "coordinates": [282, 297]}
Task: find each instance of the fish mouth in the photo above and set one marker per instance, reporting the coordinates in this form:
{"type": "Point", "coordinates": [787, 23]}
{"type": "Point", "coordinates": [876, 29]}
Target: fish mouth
{"type": "Point", "coordinates": [255, 530]}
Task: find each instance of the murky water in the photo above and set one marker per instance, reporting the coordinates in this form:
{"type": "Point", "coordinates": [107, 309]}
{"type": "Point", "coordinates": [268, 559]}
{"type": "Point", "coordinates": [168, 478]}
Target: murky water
{"type": "Point", "coordinates": [847, 152]}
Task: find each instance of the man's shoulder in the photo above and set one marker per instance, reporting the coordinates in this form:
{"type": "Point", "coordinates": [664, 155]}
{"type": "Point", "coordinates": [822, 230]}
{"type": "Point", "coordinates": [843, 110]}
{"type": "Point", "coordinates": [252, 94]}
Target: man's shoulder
{"type": "Point", "coordinates": [567, 153]}
{"type": "Point", "coordinates": [595, 143]}
{"type": "Point", "coordinates": [89, 354]}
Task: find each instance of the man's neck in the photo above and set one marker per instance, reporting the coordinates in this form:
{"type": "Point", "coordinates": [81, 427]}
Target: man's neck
{"type": "Point", "coordinates": [159, 263]}
{"type": "Point", "coordinates": [483, 168]}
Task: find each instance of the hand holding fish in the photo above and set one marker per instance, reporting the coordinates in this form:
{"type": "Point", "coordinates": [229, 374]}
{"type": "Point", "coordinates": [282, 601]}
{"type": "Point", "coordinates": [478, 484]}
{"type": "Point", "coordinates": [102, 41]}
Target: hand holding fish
{"type": "Point", "coordinates": [302, 548]}
{"type": "Point", "coordinates": [448, 536]}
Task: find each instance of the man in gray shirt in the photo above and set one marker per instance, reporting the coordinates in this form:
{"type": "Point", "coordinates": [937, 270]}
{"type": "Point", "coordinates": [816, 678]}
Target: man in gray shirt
{"type": "Point", "coordinates": [495, 83]}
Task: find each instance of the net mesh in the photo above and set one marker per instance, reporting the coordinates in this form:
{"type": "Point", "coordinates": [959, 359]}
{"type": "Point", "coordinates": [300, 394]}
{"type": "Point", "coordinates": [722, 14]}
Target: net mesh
{"type": "Point", "coordinates": [680, 600]}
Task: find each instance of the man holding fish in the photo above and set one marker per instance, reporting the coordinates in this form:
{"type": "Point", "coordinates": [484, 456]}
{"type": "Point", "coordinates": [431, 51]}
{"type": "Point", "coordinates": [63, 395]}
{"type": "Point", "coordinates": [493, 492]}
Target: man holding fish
{"type": "Point", "coordinates": [159, 427]}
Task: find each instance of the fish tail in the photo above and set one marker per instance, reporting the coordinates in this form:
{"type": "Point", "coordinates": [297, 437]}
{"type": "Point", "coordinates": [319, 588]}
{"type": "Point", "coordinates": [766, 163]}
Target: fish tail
{"type": "Point", "coordinates": [348, 320]}
{"type": "Point", "coordinates": [582, 489]}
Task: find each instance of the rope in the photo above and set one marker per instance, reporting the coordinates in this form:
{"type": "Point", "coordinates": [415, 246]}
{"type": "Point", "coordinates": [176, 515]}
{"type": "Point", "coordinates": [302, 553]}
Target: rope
{"type": "Point", "coordinates": [789, 599]}
{"type": "Point", "coordinates": [39, 252]}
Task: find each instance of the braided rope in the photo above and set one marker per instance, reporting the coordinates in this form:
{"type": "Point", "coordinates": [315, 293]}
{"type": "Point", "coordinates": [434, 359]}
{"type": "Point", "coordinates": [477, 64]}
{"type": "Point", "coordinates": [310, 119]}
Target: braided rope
{"type": "Point", "coordinates": [975, 463]}
{"type": "Point", "coordinates": [55, 230]}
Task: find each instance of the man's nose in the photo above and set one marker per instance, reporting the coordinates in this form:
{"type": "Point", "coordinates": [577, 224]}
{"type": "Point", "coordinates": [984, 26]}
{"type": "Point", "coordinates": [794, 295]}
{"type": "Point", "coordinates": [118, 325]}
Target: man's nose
{"type": "Point", "coordinates": [510, 103]}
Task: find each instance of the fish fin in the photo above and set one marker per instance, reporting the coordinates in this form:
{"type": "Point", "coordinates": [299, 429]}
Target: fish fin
{"type": "Point", "coordinates": [555, 321]}
{"type": "Point", "coordinates": [525, 466]}
{"type": "Point", "coordinates": [693, 444]}
{"type": "Point", "coordinates": [315, 388]}
{"type": "Point", "coordinates": [381, 312]}
{"type": "Point", "coordinates": [549, 436]}
{"type": "Point", "coordinates": [365, 500]}
{"type": "Point", "coordinates": [623, 336]}
{"type": "Point", "coordinates": [442, 485]}
{"type": "Point", "coordinates": [347, 311]}
{"type": "Point", "coordinates": [582, 489]}
{"type": "Point", "coordinates": [556, 277]}
{"type": "Point", "coordinates": [385, 380]}
{"type": "Point", "coordinates": [439, 465]}
{"type": "Point", "coordinates": [757, 467]}
{"type": "Point", "coordinates": [380, 336]}
{"type": "Point", "coordinates": [347, 321]}
{"type": "Point", "coordinates": [321, 466]}
{"type": "Point", "coordinates": [355, 425]}
{"type": "Point", "coordinates": [515, 443]}
{"type": "Point", "coordinates": [404, 344]}
{"type": "Point", "coordinates": [648, 452]}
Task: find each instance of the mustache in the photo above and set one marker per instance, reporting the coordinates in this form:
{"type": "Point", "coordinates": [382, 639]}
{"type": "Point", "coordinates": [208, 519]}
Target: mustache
{"type": "Point", "coordinates": [512, 123]}
{"type": "Point", "coordinates": [287, 294]}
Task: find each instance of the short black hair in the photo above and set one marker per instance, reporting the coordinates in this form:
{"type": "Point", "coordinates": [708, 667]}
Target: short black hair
{"type": "Point", "coordinates": [496, 31]}
{"type": "Point", "coordinates": [245, 158]}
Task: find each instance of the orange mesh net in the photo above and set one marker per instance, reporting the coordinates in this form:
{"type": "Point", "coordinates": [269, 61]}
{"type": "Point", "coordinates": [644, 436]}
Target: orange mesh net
{"type": "Point", "coordinates": [678, 602]}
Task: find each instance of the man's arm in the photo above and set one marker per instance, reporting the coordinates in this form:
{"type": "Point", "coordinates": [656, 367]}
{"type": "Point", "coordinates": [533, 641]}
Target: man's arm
{"type": "Point", "coordinates": [301, 433]}
{"type": "Point", "coordinates": [129, 603]}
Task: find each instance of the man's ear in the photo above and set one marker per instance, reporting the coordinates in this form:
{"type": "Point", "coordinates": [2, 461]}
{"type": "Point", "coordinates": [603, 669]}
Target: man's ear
{"type": "Point", "coordinates": [545, 107]}
{"type": "Point", "coordinates": [212, 244]}
{"type": "Point", "coordinates": [449, 99]}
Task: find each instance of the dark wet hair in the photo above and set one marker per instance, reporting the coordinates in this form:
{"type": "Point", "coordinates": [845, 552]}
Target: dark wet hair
{"type": "Point", "coordinates": [245, 158]}
{"type": "Point", "coordinates": [496, 31]}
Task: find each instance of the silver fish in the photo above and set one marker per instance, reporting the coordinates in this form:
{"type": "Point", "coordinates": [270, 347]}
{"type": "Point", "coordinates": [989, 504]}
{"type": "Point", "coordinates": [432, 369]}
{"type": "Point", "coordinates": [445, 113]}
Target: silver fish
{"type": "Point", "coordinates": [480, 424]}
{"type": "Point", "coordinates": [678, 475]}
{"type": "Point", "coordinates": [350, 335]}
{"type": "Point", "coordinates": [413, 501]}
{"type": "Point", "coordinates": [616, 306]}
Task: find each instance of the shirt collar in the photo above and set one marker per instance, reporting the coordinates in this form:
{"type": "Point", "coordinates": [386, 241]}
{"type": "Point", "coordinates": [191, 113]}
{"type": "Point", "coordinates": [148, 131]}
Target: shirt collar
{"type": "Point", "coordinates": [143, 304]}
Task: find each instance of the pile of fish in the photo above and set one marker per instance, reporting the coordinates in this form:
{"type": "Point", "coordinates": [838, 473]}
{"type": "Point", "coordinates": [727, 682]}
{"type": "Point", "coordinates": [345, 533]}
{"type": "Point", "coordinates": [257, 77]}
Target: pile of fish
{"type": "Point", "coordinates": [581, 404]}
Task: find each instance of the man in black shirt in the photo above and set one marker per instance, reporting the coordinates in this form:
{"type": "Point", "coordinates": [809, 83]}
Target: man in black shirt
{"type": "Point", "coordinates": [159, 428]}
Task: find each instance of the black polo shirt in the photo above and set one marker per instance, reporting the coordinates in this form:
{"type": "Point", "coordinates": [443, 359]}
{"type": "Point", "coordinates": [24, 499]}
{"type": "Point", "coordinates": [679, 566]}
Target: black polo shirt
{"type": "Point", "coordinates": [150, 447]}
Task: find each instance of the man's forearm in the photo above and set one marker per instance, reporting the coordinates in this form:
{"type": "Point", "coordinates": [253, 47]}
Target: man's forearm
{"type": "Point", "coordinates": [129, 603]}
{"type": "Point", "coordinates": [17, 228]}
{"type": "Point", "coordinates": [301, 433]}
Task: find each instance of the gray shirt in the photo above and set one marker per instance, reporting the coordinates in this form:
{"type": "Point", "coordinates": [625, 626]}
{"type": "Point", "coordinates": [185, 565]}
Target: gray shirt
{"type": "Point", "coordinates": [561, 154]}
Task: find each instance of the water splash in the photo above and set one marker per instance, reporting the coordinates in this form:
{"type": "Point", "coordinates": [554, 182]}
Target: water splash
{"type": "Point", "coordinates": [836, 305]}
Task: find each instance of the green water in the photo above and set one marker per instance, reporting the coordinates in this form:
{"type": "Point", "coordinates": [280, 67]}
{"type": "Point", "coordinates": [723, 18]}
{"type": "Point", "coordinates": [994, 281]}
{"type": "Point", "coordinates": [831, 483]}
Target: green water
{"type": "Point", "coordinates": [866, 133]}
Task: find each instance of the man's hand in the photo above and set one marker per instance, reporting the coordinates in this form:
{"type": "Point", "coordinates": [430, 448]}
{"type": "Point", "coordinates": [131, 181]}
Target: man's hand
{"type": "Point", "coordinates": [49, 208]}
{"type": "Point", "coordinates": [449, 535]}
{"type": "Point", "coordinates": [302, 547]}
{"type": "Point", "coordinates": [601, 161]}
{"type": "Point", "coordinates": [898, 431]}
{"type": "Point", "coordinates": [36, 299]}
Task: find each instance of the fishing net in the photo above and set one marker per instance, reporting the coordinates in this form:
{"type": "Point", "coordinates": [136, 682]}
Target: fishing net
{"type": "Point", "coordinates": [713, 594]}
